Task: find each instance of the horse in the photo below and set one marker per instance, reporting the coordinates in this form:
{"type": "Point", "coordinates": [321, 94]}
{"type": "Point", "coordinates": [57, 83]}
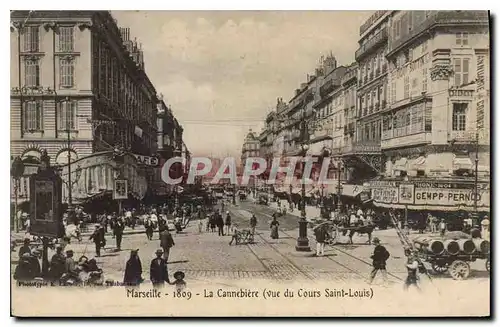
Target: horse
{"type": "Point", "coordinates": [72, 231]}
{"type": "Point", "coordinates": [361, 229]}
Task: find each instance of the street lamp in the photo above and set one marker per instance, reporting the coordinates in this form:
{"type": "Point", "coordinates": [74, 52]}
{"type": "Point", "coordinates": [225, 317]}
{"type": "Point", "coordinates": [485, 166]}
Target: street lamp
{"type": "Point", "coordinates": [303, 240]}
{"type": "Point", "coordinates": [339, 184]}
{"type": "Point", "coordinates": [16, 171]}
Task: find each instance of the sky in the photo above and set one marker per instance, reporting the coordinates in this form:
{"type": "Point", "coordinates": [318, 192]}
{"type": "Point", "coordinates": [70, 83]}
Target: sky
{"type": "Point", "coordinates": [222, 71]}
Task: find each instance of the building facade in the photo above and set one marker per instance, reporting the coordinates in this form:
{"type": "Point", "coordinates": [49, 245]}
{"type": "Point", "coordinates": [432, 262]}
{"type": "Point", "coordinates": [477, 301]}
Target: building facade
{"type": "Point", "coordinates": [437, 121]}
{"type": "Point", "coordinates": [79, 88]}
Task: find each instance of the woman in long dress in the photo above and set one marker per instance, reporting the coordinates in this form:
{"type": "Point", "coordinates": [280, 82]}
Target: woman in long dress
{"type": "Point", "coordinates": [274, 228]}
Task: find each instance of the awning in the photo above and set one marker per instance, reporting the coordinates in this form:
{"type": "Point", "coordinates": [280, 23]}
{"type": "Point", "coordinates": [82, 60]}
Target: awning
{"type": "Point", "coordinates": [352, 190]}
{"type": "Point", "coordinates": [401, 164]}
{"type": "Point", "coordinates": [462, 162]}
{"type": "Point", "coordinates": [316, 149]}
{"type": "Point", "coordinates": [419, 163]}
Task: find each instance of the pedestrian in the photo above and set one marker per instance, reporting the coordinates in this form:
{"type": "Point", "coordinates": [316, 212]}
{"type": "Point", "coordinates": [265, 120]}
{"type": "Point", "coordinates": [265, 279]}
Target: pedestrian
{"type": "Point", "coordinates": [133, 270]}
{"type": "Point", "coordinates": [179, 282]}
{"type": "Point", "coordinates": [98, 238]}
{"type": "Point", "coordinates": [228, 223]}
{"type": "Point", "coordinates": [25, 270]}
{"type": "Point", "coordinates": [234, 236]}
{"type": "Point", "coordinates": [25, 248]}
{"type": "Point", "coordinates": [431, 223]}
{"type": "Point", "coordinates": [412, 265]}
{"type": "Point", "coordinates": [253, 224]}
{"type": "Point", "coordinates": [321, 235]}
{"type": "Point", "coordinates": [158, 272]}
{"type": "Point", "coordinates": [200, 226]}
{"type": "Point", "coordinates": [166, 242]}
{"type": "Point", "coordinates": [118, 231]}
{"type": "Point", "coordinates": [57, 264]}
{"type": "Point", "coordinates": [442, 227]}
{"type": "Point", "coordinates": [220, 224]}
{"type": "Point", "coordinates": [379, 259]}
{"type": "Point", "coordinates": [485, 228]}
{"type": "Point", "coordinates": [148, 225]}
{"type": "Point", "coordinates": [274, 228]}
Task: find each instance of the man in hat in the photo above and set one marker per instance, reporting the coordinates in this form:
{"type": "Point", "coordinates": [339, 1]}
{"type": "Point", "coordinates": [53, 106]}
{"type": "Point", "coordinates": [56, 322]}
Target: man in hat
{"type": "Point", "coordinates": [158, 272]}
{"type": "Point", "coordinates": [133, 269]}
{"type": "Point", "coordinates": [118, 228]}
{"type": "Point", "coordinates": [24, 269]}
{"type": "Point", "coordinates": [98, 238]}
{"type": "Point", "coordinates": [57, 264]}
{"type": "Point", "coordinates": [379, 258]}
{"type": "Point", "coordinates": [253, 223]}
{"type": "Point", "coordinates": [25, 248]}
{"type": "Point", "coordinates": [166, 242]}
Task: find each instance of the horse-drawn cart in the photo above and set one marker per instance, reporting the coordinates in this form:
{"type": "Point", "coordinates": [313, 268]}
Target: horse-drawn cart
{"type": "Point", "coordinates": [453, 254]}
{"type": "Point", "coordinates": [456, 265]}
{"type": "Point", "coordinates": [336, 229]}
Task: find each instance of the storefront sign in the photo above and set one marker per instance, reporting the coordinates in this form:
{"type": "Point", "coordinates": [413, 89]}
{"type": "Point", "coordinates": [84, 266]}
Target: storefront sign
{"type": "Point", "coordinates": [385, 195]}
{"type": "Point", "coordinates": [406, 192]}
{"type": "Point", "coordinates": [451, 197]}
{"type": "Point", "coordinates": [461, 93]}
{"type": "Point", "coordinates": [480, 89]}
{"type": "Point", "coordinates": [147, 160]}
{"type": "Point", "coordinates": [120, 191]}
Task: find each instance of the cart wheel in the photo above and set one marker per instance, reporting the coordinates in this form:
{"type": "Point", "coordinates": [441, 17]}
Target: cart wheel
{"type": "Point", "coordinates": [488, 265]}
{"type": "Point", "coordinates": [459, 270]}
{"type": "Point", "coordinates": [440, 268]}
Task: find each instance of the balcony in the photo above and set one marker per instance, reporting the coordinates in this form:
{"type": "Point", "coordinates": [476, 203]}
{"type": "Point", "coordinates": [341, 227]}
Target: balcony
{"type": "Point", "coordinates": [327, 87]}
{"type": "Point", "coordinates": [402, 137]}
{"type": "Point", "coordinates": [442, 17]}
{"type": "Point", "coordinates": [371, 44]}
{"type": "Point", "coordinates": [462, 136]}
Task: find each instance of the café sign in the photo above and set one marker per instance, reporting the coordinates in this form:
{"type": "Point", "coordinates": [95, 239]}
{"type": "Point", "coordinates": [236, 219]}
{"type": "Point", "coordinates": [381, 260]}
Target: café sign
{"type": "Point", "coordinates": [451, 197]}
{"type": "Point", "coordinates": [147, 160]}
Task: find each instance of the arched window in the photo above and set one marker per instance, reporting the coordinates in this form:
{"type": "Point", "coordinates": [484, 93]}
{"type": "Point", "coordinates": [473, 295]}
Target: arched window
{"type": "Point", "coordinates": [62, 157]}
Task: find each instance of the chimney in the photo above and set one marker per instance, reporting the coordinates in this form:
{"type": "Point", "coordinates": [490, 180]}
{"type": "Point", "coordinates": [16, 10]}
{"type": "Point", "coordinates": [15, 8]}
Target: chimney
{"type": "Point", "coordinates": [297, 91]}
{"type": "Point", "coordinates": [304, 85]}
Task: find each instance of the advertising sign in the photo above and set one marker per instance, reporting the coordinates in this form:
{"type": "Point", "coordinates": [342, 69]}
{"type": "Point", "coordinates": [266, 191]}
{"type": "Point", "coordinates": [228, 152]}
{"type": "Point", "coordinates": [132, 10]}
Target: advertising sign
{"type": "Point", "coordinates": [406, 193]}
{"type": "Point", "coordinates": [147, 160]}
{"type": "Point", "coordinates": [121, 189]}
{"type": "Point", "coordinates": [385, 195]}
{"type": "Point", "coordinates": [46, 210]}
{"type": "Point", "coordinates": [451, 197]}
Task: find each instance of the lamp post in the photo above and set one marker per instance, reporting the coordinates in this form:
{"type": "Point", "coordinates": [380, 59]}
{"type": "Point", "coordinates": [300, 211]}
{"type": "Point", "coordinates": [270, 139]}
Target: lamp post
{"type": "Point", "coordinates": [476, 170]}
{"type": "Point", "coordinates": [17, 170]}
{"type": "Point", "coordinates": [339, 185]}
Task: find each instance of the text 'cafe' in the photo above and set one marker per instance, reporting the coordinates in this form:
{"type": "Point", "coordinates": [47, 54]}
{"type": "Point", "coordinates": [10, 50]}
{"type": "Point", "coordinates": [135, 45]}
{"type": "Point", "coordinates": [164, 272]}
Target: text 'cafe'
{"type": "Point", "coordinates": [434, 196]}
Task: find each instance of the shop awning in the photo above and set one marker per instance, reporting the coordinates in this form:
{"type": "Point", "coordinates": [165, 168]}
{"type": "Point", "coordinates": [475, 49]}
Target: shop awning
{"type": "Point", "coordinates": [352, 190]}
{"type": "Point", "coordinates": [462, 162]}
{"type": "Point", "coordinates": [401, 164]}
{"type": "Point", "coordinates": [419, 163]}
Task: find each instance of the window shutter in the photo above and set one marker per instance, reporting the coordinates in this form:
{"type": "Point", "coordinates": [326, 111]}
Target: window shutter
{"type": "Point", "coordinates": [465, 71]}
{"type": "Point", "coordinates": [458, 70]}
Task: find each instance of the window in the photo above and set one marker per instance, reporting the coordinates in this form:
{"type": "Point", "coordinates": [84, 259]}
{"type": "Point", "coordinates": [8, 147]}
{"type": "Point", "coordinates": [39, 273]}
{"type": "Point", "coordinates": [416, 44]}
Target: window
{"type": "Point", "coordinates": [462, 38]}
{"type": "Point", "coordinates": [424, 80]}
{"type": "Point", "coordinates": [32, 72]}
{"type": "Point", "coordinates": [459, 116]}
{"type": "Point", "coordinates": [33, 116]}
{"type": "Point", "coordinates": [67, 115]}
{"type": "Point", "coordinates": [67, 72]}
{"type": "Point", "coordinates": [31, 39]}
{"type": "Point", "coordinates": [66, 39]}
{"type": "Point", "coordinates": [461, 71]}
{"type": "Point", "coordinates": [407, 87]}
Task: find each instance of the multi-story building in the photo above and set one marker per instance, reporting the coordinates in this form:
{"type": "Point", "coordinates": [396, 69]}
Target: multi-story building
{"type": "Point", "coordinates": [437, 119]}
{"type": "Point", "coordinates": [326, 137]}
{"type": "Point", "coordinates": [169, 145]}
{"type": "Point", "coordinates": [349, 86]}
{"type": "Point", "coordinates": [79, 89]}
